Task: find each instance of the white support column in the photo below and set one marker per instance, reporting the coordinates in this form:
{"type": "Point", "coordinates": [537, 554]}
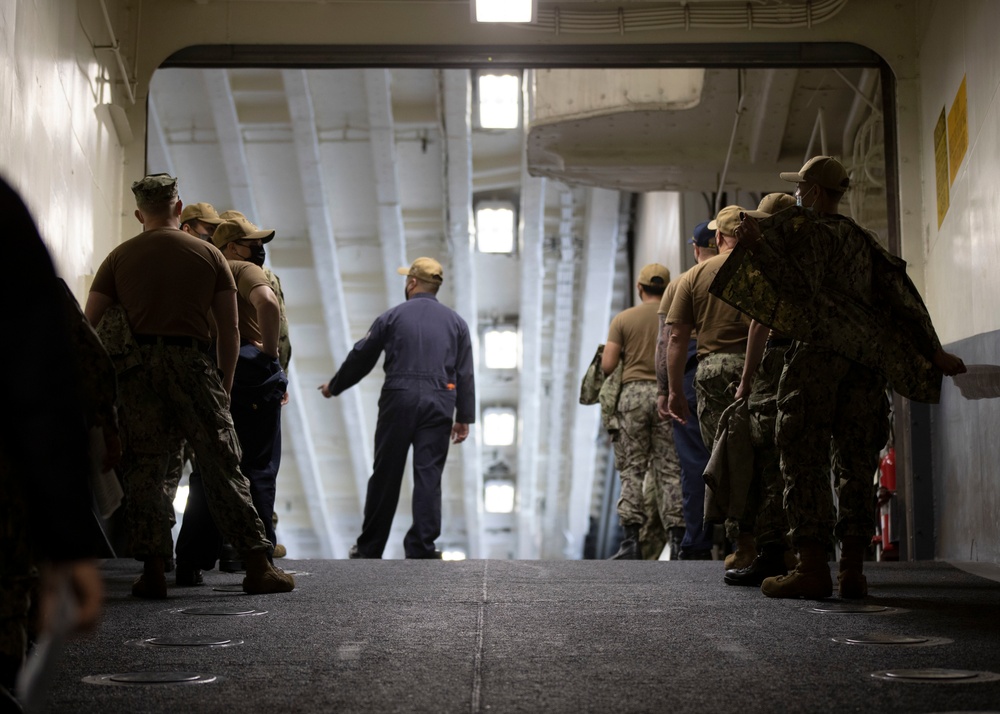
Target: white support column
{"type": "Point", "coordinates": [531, 254]}
{"type": "Point", "coordinates": [601, 241]}
{"type": "Point", "coordinates": [158, 158]}
{"type": "Point", "coordinates": [327, 266]}
{"type": "Point", "coordinates": [227, 128]}
{"type": "Point", "coordinates": [382, 139]}
{"type": "Point", "coordinates": [457, 110]}
{"type": "Point", "coordinates": [562, 335]}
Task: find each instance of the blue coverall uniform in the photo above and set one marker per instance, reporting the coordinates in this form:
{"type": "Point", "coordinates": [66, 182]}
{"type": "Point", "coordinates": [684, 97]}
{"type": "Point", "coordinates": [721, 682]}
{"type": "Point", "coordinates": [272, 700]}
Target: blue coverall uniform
{"type": "Point", "coordinates": [429, 384]}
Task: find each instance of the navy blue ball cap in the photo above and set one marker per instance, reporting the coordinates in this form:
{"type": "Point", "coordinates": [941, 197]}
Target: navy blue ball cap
{"type": "Point", "coordinates": [702, 236]}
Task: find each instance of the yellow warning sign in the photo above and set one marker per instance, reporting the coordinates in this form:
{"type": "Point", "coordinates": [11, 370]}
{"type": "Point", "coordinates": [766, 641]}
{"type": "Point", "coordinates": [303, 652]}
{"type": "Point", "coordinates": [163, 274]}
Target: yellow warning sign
{"type": "Point", "coordinates": [941, 167]}
{"type": "Point", "coordinates": [958, 131]}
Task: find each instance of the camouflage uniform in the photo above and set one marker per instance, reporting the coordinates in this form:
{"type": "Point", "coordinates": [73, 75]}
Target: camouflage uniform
{"type": "Point", "coordinates": [646, 443]}
{"type": "Point", "coordinates": [715, 387]}
{"type": "Point", "coordinates": [858, 321]}
{"type": "Point", "coordinates": [178, 394]}
{"type": "Point", "coordinates": [765, 513]}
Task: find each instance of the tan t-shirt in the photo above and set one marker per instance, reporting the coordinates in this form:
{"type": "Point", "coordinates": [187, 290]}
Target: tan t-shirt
{"type": "Point", "coordinates": [721, 327]}
{"type": "Point", "coordinates": [248, 276]}
{"type": "Point", "coordinates": [166, 280]}
{"type": "Point", "coordinates": [635, 330]}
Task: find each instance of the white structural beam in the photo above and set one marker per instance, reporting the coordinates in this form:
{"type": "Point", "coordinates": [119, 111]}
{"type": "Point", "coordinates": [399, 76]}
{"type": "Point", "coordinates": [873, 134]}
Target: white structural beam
{"type": "Point", "coordinates": [227, 128]}
{"type": "Point", "coordinates": [159, 157]}
{"type": "Point", "coordinates": [601, 236]}
{"type": "Point", "coordinates": [382, 139]}
{"type": "Point", "coordinates": [562, 334]}
{"type": "Point", "coordinates": [324, 523]}
{"type": "Point", "coordinates": [532, 263]}
{"type": "Point", "coordinates": [771, 103]}
{"type": "Point", "coordinates": [241, 191]}
{"type": "Point", "coordinates": [327, 264]}
{"type": "Point", "coordinates": [456, 100]}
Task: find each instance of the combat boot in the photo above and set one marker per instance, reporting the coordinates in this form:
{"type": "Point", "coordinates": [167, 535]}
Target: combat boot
{"type": "Point", "coordinates": [810, 579]}
{"type": "Point", "coordinates": [152, 584]}
{"type": "Point", "coordinates": [851, 581]}
{"type": "Point", "coordinates": [769, 563]}
{"type": "Point", "coordinates": [743, 556]}
{"type": "Point", "coordinates": [629, 549]}
{"type": "Point", "coordinates": [263, 578]}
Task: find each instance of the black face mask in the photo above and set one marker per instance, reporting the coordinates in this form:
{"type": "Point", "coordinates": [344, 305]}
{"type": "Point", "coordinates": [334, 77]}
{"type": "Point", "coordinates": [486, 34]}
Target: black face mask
{"type": "Point", "coordinates": [257, 255]}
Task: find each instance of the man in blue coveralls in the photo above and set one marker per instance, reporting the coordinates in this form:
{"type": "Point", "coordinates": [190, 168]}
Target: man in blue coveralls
{"type": "Point", "coordinates": [429, 393]}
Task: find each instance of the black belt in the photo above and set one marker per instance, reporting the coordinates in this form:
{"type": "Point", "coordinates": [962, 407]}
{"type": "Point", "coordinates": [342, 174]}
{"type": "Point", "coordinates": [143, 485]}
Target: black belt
{"type": "Point", "coordinates": [778, 342]}
{"type": "Point", "coordinates": [173, 341]}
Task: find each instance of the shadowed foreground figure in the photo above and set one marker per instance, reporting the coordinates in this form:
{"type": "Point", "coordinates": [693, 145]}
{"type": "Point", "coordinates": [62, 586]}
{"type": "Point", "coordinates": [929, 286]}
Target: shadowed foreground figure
{"type": "Point", "coordinates": [428, 394]}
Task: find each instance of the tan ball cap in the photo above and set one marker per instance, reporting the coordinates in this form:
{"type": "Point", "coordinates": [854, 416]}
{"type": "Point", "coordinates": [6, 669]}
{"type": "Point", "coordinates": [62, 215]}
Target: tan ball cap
{"type": "Point", "coordinates": [235, 229]}
{"type": "Point", "coordinates": [772, 203]}
{"type": "Point", "coordinates": [824, 171]}
{"type": "Point", "coordinates": [426, 269]}
{"type": "Point", "coordinates": [727, 220]}
{"type": "Point", "coordinates": [204, 212]}
{"type": "Point", "coordinates": [654, 275]}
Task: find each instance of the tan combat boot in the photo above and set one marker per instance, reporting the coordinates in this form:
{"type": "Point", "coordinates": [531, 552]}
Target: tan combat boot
{"type": "Point", "coordinates": [743, 556]}
{"type": "Point", "coordinates": [810, 579]}
{"type": "Point", "coordinates": [263, 578]}
{"type": "Point", "coordinates": [851, 581]}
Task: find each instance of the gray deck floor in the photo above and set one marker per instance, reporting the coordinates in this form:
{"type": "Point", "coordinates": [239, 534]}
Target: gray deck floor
{"type": "Point", "coordinates": [531, 636]}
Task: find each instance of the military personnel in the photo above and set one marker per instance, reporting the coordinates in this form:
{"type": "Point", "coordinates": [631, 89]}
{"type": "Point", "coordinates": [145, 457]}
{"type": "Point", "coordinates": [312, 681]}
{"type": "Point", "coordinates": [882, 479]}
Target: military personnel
{"type": "Point", "coordinates": [167, 282]}
{"type": "Point", "coordinates": [258, 387]}
{"type": "Point", "coordinates": [200, 220]}
{"type": "Point", "coordinates": [284, 354]}
{"type": "Point", "coordinates": [428, 394]}
{"type": "Point", "coordinates": [691, 450]}
{"type": "Point", "coordinates": [858, 325]}
{"type": "Point", "coordinates": [722, 339]}
{"type": "Point", "coordinates": [644, 442]}
{"type": "Point", "coordinates": [765, 514]}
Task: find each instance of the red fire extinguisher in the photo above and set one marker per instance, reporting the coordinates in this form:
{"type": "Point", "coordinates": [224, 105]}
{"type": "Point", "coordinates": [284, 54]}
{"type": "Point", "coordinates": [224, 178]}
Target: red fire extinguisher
{"type": "Point", "coordinates": [886, 495]}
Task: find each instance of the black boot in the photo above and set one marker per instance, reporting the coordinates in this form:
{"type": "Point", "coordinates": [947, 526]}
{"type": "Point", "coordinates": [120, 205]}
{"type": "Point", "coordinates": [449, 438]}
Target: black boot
{"type": "Point", "coordinates": [630, 548]}
{"type": "Point", "coordinates": [769, 562]}
{"type": "Point", "coordinates": [674, 543]}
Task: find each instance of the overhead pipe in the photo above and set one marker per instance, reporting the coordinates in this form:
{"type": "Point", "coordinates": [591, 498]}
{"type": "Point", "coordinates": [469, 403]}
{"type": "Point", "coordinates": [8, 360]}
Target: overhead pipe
{"type": "Point", "coordinates": [115, 48]}
{"type": "Point", "coordinates": [732, 139]}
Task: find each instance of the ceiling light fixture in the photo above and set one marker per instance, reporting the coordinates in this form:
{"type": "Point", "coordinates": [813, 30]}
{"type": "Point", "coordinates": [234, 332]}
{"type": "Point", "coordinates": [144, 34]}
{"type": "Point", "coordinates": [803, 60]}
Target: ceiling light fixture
{"type": "Point", "coordinates": [504, 10]}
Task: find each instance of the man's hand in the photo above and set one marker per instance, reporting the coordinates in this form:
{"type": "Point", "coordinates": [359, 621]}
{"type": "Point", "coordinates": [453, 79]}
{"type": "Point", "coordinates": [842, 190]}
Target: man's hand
{"type": "Point", "coordinates": [459, 433]}
{"type": "Point", "coordinates": [948, 363]}
{"type": "Point", "coordinates": [743, 390]}
{"type": "Point", "coordinates": [661, 407]}
{"type": "Point", "coordinates": [284, 399]}
{"type": "Point", "coordinates": [677, 407]}
{"type": "Point", "coordinates": [748, 232]}
{"type": "Point", "coordinates": [325, 388]}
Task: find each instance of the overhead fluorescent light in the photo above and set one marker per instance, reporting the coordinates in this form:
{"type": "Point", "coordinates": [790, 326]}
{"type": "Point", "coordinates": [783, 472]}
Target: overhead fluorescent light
{"type": "Point", "coordinates": [499, 100]}
{"type": "Point", "coordinates": [498, 496]}
{"type": "Point", "coordinates": [495, 227]}
{"type": "Point", "coordinates": [504, 10]}
{"type": "Point", "coordinates": [499, 426]}
{"type": "Point", "coordinates": [500, 349]}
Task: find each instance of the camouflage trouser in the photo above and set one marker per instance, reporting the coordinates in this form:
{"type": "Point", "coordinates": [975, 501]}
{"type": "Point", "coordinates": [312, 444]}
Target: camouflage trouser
{"type": "Point", "coordinates": [715, 387]}
{"type": "Point", "coordinates": [765, 512]}
{"type": "Point", "coordinates": [715, 383]}
{"type": "Point", "coordinates": [646, 444]}
{"type": "Point", "coordinates": [18, 575]}
{"type": "Point", "coordinates": [176, 394]}
{"type": "Point", "coordinates": [824, 396]}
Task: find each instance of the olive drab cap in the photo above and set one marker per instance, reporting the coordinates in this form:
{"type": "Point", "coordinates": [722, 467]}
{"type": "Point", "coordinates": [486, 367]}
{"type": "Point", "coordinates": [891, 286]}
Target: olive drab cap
{"type": "Point", "coordinates": [654, 275]}
{"type": "Point", "coordinates": [157, 188]}
{"type": "Point", "coordinates": [204, 212]}
{"type": "Point", "coordinates": [426, 269]}
{"type": "Point", "coordinates": [824, 171]}
{"type": "Point", "coordinates": [727, 220]}
{"type": "Point", "coordinates": [238, 229]}
{"type": "Point", "coordinates": [772, 203]}
{"type": "Point", "coordinates": [231, 213]}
